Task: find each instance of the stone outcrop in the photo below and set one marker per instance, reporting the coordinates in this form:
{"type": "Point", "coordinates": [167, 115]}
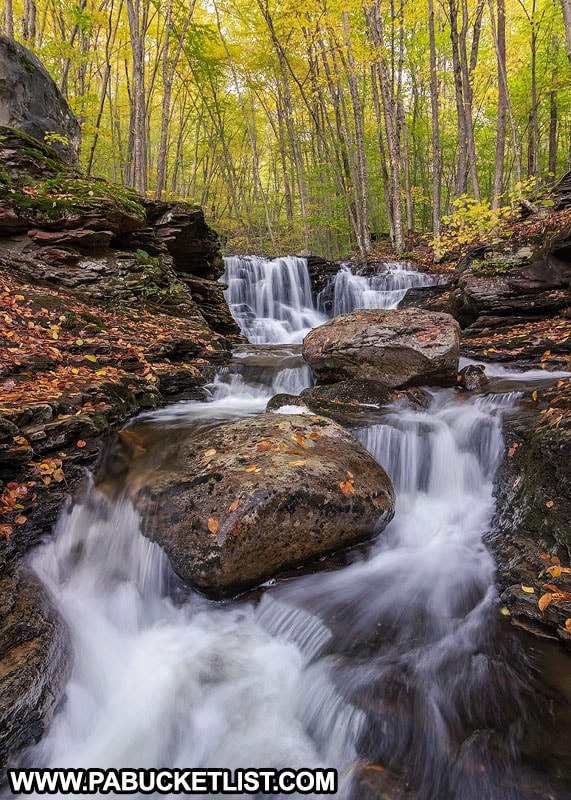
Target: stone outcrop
{"type": "Point", "coordinates": [233, 506]}
{"type": "Point", "coordinates": [512, 295]}
{"type": "Point", "coordinates": [61, 229]}
{"type": "Point", "coordinates": [31, 102]}
{"type": "Point", "coordinates": [35, 661]}
{"type": "Point", "coordinates": [395, 348]}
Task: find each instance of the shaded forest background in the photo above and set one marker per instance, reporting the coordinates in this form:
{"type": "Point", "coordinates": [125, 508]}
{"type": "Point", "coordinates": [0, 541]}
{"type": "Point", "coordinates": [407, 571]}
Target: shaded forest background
{"type": "Point", "coordinates": [318, 125]}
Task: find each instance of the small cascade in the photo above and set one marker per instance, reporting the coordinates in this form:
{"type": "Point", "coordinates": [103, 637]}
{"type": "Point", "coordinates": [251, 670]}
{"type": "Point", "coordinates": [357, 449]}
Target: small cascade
{"type": "Point", "coordinates": [385, 289]}
{"type": "Point", "coordinates": [270, 299]}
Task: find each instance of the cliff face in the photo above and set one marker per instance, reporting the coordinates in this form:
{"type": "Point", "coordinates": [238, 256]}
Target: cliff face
{"type": "Point", "coordinates": [59, 228]}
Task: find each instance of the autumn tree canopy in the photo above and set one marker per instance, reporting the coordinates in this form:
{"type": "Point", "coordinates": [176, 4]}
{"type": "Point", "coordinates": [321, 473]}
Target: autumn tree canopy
{"type": "Point", "coordinates": [317, 125]}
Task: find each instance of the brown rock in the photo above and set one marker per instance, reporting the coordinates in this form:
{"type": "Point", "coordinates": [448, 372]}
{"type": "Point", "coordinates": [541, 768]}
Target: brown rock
{"type": "Point", "coordinates": [395, 348]}
{"type": "Point", "coordinates": [246, 499]}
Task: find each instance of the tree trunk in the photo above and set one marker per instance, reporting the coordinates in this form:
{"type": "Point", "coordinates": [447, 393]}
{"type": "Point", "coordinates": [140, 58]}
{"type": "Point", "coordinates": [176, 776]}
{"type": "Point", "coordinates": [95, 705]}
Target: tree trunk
{"type": "Point", "coordinates": [9, 18]}
{"type": "Point", "coordinates": [566, 7]}
{"type": "Point", "coordinates": [375, 24]}
{"type": "Point", "coordinates": [435, 126]}
{"type": "Point", "coordinates": [462, 170]}
{"type": "Point", "coordinates": [137, 13]}
{"type": "Point", "coordinates": [29, 22]}
{"type": "Point", "coordinates": [502, 106]}
{"type": "Point", "coordinates": [552, 134]}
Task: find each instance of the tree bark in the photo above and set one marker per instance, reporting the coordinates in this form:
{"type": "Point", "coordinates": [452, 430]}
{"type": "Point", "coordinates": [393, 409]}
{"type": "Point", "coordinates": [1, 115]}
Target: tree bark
{"type": "Point", "coordinates": [436, 184]}
{"type": "Point", "coordinates": [502, 106]}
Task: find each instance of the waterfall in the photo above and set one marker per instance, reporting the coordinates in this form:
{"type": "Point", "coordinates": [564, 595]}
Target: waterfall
{"type": "Point", "coordinates": [270, 298]}
{"type": "Point", "coordinates": [396, 657]}
{"type": "Point", "coordinates": [347, 291]}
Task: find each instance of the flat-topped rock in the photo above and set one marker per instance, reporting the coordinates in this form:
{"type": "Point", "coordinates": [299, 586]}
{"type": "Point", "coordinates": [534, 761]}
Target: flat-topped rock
{"type": "Point", "coordinates": [394, 348]}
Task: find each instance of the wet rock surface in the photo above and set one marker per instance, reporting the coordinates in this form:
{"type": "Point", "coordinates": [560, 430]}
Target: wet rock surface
{"type": "Point", "coordinates": [246, 499]}
{"type": "Point", "coordinates": [395, 348]}
{"type": "Point", "coordinates": [531, 534]}
{"type": "Point", "coordinates": [35, 662]}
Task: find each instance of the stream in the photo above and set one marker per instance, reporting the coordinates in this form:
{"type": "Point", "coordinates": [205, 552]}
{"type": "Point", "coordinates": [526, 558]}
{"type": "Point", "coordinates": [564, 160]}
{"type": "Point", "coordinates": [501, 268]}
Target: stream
{"type": "Point", "coordinates": [398, 657]}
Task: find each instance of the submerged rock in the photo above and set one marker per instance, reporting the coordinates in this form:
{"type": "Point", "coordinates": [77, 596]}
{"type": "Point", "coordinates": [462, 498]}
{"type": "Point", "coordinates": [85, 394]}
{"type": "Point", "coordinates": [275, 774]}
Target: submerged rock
{"type": "Point", "coordinates": [471, 378]}
{"type": "Point", "coordinates": [35, 662]}
{"type": "Point", "coordinates": [246, 499]}
{"type": "Point", "coordinates": [395, 348]}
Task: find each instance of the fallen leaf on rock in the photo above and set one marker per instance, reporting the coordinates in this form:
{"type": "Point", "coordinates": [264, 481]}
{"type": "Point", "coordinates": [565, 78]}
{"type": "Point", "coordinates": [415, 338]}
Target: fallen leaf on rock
{"type": "Point", "coordinates": [20, 519]}
{"type": "Point", "coordinates": [549, 504]}
{"type": "Point", "coordinates": [512, 449]}
{"type": "Point", "coordinates": [213, 525]}
{"type": "Point", "coordinates": [6, 531]}
{"type": "Point", "coordinates": [299, 463]}
{"type": "Point", "coordinates": [528, 589]}
{"type": "Point", "coordinates": [209, 453]}
{"type": "Point", "coordinates": [554, 571]}
{"type": "Point", "coordinates": [568, 624]}
{"type": "Point", "coordinates": [545, 556]}
{"type": "Point", "coordinates": [544, 601]}
{"type": "Point", "coordinates": [555, 560]}
{"type": "Point", "coordinates": [233, 506]}
{"type": "Point", "coordinates": [81, 443]}
{"type": "Point", "coordinates": [253, 468]}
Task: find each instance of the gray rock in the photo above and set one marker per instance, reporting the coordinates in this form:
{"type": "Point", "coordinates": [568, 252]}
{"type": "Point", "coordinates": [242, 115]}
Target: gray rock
{"type": "Point", "coordinates": [31, 102]}
{"type": "Point", "coordinates": [247, 499]}
{"type": "Point", "coordinates": [395, 348]}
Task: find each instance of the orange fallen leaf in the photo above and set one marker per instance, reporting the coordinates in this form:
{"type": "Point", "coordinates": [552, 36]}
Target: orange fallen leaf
{"type": "Point", "coordinates": [209, 453]}
{"type": "Point", "coordinates": [213, 525]}
{"type": "Point", "coordinates": [233, 506]}
{"type": "Point", "coordinates": [545, 556]}
{"type": "Point", "coordinates": [81, 443]}
{"type": "Point", "coordinates": [528, 589]}
{"type": "Point", "coordinates": [554, 571]}
{"type": "Point", "coordinates": [6, 531]}
{"type": "Point", "coordinates": [512, 449]}
{"type": "Point", "coordinates": [20, 519]}
{"type": "Point", "coordinates": [299, 463]}
{"type": "Point", "coordinates": [253, 468]}
{"type": "Point", "coordinates": [549, 504]}
{"type": "Point", "coordinates": [555, 560]}
{"type": "Point", "coordinates": [544, 601]}
{"type": "Point", "coordinates": [347, 487]}
{"type": "Point", "coordinates": [568, 624]}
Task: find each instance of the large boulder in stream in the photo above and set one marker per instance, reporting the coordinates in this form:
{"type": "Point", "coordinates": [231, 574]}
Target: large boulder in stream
{"type": "Point", "coordinates": [246, 499]}
{"type": "Point", "coordinates": [395, 348]}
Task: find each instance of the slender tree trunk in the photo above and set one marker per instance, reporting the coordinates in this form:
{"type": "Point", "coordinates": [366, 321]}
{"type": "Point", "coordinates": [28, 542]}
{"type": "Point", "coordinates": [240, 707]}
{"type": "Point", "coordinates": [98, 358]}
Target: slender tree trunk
{"type": "Point", "coordinates": [566, 7]}
{"type": "Point", "coordinates": [467, 93]}
{"type": "Point", "coordinates": [504, 80]}
{"type": "Point", "coordinates": [462, 170]}
{"type": "Point", "coordinates": [169, 72]}
{"type": "Point", "coordinates": [502, 106]}
{"type": "Point", "coordinates": [436, 184]}
{"type": "Point", "coordinates": [375, 24]}
{"type": "Point", "coordinates": [382, 155]}
{"type": "Point", "coordinates": [137, 13]}
{"type": "Point", "coordinates": [552, 134]}
{"type": "Point", "coordinates": [9, 18]}
{"type": "Point", "coordinates": [29, 21]}
{"type": "Point", "coordinates": [364, 234]}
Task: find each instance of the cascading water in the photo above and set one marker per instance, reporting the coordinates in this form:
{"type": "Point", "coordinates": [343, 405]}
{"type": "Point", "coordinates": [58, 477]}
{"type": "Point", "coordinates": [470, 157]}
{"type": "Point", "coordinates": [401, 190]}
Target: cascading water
{"type": "Point", "coordinates": [270, 298]}
{"type": "Point", "coordinates": [393, 660]}
{"type": "Point", "coordinates": [348, 291]}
